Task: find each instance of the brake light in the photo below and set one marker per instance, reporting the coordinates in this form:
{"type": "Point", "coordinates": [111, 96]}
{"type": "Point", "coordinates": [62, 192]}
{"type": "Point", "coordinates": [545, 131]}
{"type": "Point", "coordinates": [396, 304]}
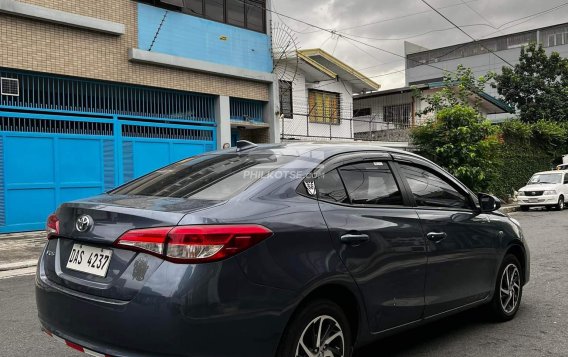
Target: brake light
{"type": "Point", "coordinates": [52, 226]}
{"type": "Point", "coordinates": [194, 244]}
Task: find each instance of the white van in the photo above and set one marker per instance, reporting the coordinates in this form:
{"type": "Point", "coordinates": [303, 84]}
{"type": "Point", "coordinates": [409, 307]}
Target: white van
{"type": "Point", "coordinates": [545, 189]}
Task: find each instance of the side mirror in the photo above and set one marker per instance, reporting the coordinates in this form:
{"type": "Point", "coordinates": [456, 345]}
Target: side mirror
{"type": "Point", "coordinates": [488, 203]}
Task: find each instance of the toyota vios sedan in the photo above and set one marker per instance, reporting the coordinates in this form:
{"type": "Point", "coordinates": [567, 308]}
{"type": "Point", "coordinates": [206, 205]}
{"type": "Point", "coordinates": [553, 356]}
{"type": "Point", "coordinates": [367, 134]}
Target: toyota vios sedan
{"type": "Point", "coordinates": [297, 250]}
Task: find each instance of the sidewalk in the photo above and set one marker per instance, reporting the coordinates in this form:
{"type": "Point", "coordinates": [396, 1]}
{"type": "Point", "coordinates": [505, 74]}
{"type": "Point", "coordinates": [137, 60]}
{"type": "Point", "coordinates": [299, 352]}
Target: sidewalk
{"type": "Point", "coordinates": [20, 250]}
{"type": "Point", "coordinates": [510, 208]}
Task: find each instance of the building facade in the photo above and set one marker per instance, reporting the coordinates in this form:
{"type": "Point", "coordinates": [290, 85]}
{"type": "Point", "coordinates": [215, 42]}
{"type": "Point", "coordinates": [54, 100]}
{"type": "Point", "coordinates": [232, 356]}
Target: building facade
{"type": "Point", "coordinates": [96, 93]}
{"type": "Point", "coordinates": [428, 65]}
{"type": "Point", "coordinates": [317, 103]}
{"type": "Point", "coordinates": [387, 115]}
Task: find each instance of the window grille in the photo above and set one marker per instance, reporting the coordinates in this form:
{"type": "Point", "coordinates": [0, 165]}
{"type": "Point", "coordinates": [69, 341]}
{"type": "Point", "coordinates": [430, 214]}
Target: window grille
{"type": "Point", "coordinates": [55, 126]}
{"type": "Point", "coordinates": [77, 95]}
{"type": "Point", "coordinates": [153, 132]}
{"type": "Point", "coordinates": [246, 110]}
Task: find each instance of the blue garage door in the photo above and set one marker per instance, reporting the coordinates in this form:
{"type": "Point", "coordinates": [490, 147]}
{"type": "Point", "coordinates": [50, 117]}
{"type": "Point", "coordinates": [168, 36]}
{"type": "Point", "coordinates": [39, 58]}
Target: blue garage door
{"type": "Point", "coordinates": [46, 160]}
{"type": "Point", "coordinates": [64, 138]}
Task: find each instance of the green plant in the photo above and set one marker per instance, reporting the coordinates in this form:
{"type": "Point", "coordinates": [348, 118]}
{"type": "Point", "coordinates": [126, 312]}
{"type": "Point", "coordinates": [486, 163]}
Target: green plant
{"type": "Point", "coordinates": [537, 86]}
{"type": "Point", "coordinates": [462, 142]}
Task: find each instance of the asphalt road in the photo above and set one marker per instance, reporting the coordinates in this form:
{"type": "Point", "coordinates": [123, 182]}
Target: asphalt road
{"type": "Point", "coordinates": [540, 328]}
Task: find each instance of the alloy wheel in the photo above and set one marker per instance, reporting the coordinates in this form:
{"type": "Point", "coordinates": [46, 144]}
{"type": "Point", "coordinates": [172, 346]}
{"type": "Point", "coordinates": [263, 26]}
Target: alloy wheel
{"type": "Point", "coordinates": [560, 204]}
{"type": "Point", "coordinates": [322, 337]}
{"type": "Point", "coordinates": [510, 288]}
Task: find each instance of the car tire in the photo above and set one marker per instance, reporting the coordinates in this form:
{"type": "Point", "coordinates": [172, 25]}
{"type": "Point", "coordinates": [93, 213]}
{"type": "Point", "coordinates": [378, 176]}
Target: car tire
{"type": "Point", "coordinates": [525, 208]}
{"type": "Point", "coordinates": [318, 315]}
{"type": "Point", "coordinates": [508, 290]}
{"type": "Point", "coordinates": [560, 205]}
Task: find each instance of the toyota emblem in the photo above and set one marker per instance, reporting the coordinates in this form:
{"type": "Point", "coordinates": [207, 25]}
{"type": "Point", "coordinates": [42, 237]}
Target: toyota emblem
{"type": "Point", "coordinates": [84, 223]}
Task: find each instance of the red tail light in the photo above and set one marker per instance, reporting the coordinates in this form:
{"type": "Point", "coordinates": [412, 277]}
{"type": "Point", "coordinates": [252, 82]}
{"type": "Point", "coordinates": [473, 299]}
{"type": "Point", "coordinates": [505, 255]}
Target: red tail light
{"type": "Point", "coordinates": [52, 226]}
{"type": "Point", "coordinates": [194, 244]}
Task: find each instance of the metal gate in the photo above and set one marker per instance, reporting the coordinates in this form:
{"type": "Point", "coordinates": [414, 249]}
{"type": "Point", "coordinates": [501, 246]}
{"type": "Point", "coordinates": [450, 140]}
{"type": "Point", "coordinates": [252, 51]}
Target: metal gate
{"type": "Point", "coordinates": [63, 139]}
{"type": "Point", "coordinates": [46, 160]}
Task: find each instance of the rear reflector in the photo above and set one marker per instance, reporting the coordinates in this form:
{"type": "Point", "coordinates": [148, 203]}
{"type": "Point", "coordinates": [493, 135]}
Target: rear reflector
{"type": "Point", "coordinates": [194, 244]}
{"type": "Point", "coordinates": [74, 345]}
{"type": "Point", "coordinates": [52, 226]}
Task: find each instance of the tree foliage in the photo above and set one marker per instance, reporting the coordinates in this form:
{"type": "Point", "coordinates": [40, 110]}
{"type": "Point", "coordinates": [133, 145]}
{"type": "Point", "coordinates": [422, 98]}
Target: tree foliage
{"type": "Point", "coordinates": [537, 86]}
{"type": "Point", "coordinates": [462, 142]}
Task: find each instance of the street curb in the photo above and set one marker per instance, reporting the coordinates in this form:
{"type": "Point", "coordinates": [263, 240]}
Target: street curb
{"type": "Point", "coordinates": [510, 208]}
{"type": "Point", "coordinates": [18, 265]}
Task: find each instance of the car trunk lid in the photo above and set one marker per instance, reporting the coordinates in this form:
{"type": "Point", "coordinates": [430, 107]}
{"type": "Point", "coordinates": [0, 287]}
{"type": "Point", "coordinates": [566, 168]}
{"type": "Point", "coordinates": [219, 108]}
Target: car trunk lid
{"type": "Point", "coordinates": [110, 216]}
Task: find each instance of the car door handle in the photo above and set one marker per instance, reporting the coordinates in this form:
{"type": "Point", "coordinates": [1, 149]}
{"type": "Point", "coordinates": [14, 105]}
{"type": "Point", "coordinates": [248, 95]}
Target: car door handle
{"type": "Point", "coordinates": [354, 239]}
{"type": "Point", "coordinates": [436, 237]}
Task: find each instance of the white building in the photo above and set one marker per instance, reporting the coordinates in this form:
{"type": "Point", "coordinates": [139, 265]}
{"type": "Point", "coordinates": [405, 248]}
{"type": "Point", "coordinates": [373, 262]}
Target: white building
{"type": "Point", "coordinates": [316, 103]}
{"type": "Point", "coordinates": [428, 65]}
{"type": "Point", "coordinates": [386, 115]}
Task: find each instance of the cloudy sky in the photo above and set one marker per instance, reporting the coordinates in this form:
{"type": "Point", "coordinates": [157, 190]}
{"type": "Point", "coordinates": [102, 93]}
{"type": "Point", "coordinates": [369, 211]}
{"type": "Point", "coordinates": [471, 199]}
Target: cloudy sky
{"type": "Point", "coordinates": [388, 23]}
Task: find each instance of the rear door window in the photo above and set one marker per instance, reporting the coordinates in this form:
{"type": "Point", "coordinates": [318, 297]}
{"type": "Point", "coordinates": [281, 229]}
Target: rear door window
{"type": "Point", "coordinates": [431, 190]}
{"type": "Point", "coordinates": [209, 177]}
{"type": "Point", "coordinates": [371, 183]}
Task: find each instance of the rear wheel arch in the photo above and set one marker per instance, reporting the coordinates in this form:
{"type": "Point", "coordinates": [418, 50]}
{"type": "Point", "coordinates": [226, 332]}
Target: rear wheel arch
{"type": "Point", "coordinates": [341, 295]}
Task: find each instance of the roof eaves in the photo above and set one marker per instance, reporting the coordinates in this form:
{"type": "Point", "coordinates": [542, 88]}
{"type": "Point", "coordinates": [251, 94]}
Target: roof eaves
{"type": "Point", "coordinates": [316, 65]}
{"type": "Point", "coordinates": [319, 52]}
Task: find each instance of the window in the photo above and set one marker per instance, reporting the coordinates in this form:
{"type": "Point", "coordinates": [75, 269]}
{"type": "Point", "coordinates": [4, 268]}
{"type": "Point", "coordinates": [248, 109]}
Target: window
{"type": "Point", "coordinates": [213, 177]}
{"type": "Point", "coordinates": [432, 191]}
{"type": "Point", "coordinates": [249, 14]}
{"type": "Point", "coordinates": [286, 106]}
{"type": "Point", "coordinates": [545, 178]}
{"type": "Point", "coordinates": [371, 183]}
{"type": "Point", "coordinates": [364, 112]}
{"type": "Point", "coordinates": [193, 7]}
{"type": "Point", "coordinates": [214, 10]}
{"type": "Point", "coordinates": [255, 15]}
{"type": "Point", "coordinates": [330, 188]}
{"type": "Point", "coordinates": [324, 107]}
{"type": "Point", "coordinates": [566, 179]}
{"type": "Point", "coordinates": [236, 12]}
{"type": "Point", "coordinates": [398, 114]}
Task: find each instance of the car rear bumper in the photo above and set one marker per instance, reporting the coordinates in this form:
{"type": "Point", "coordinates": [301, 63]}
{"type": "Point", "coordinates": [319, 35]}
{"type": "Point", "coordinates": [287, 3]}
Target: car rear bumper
{"type": "Point", "coordinates": [205, 310]}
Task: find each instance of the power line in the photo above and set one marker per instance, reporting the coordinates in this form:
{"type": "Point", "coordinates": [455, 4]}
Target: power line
{"type": "Point", "coordinates": [337, 34]}
{"type": "Point", "coordinates": [416, 35]}
{"type": "Point", "coordinates": [501, 27]}
{"type": "Point", "coordinates": [350, 39]}
{"type": "Point", "coordinates": [478, 14]}
{"type": "Point", "coordinates": [399, 17]}
{"type": "Point", "coordinates": [465, 33]}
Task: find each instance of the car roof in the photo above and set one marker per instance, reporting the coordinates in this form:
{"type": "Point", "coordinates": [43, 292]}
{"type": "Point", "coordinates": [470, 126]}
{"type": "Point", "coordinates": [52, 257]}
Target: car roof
{"type": "Point", "coordinates": [325, 149]}
{"type": "Point", "coordinates": [550, 172]}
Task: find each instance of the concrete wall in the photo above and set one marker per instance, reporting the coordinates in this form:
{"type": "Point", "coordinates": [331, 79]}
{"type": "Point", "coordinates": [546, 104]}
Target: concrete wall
{"type": "Point", "coordinates": [196, 38]}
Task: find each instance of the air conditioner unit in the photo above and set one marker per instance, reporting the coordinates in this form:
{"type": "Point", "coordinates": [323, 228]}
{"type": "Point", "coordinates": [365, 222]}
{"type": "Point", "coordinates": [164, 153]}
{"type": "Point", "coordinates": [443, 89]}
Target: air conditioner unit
{"type": "Point", "coordinates": [10, 86]}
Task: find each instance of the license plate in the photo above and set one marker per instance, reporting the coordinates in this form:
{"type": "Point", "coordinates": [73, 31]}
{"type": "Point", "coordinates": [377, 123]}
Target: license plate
{"type": "Point", "coordinates": [89, 260]}
{"type": "Point", "coordinates": [533, 200]}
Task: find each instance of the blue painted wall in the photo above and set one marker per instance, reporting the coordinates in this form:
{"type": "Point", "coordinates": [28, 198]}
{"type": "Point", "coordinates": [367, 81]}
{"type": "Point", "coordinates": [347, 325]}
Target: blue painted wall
{"type": "Point", "coordinates": [196, 38]}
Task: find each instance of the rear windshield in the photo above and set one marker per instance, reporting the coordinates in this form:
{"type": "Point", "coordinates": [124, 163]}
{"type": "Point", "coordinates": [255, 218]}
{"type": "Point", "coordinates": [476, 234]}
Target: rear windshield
{"type": "Point", "coordinates": [212, 177]}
